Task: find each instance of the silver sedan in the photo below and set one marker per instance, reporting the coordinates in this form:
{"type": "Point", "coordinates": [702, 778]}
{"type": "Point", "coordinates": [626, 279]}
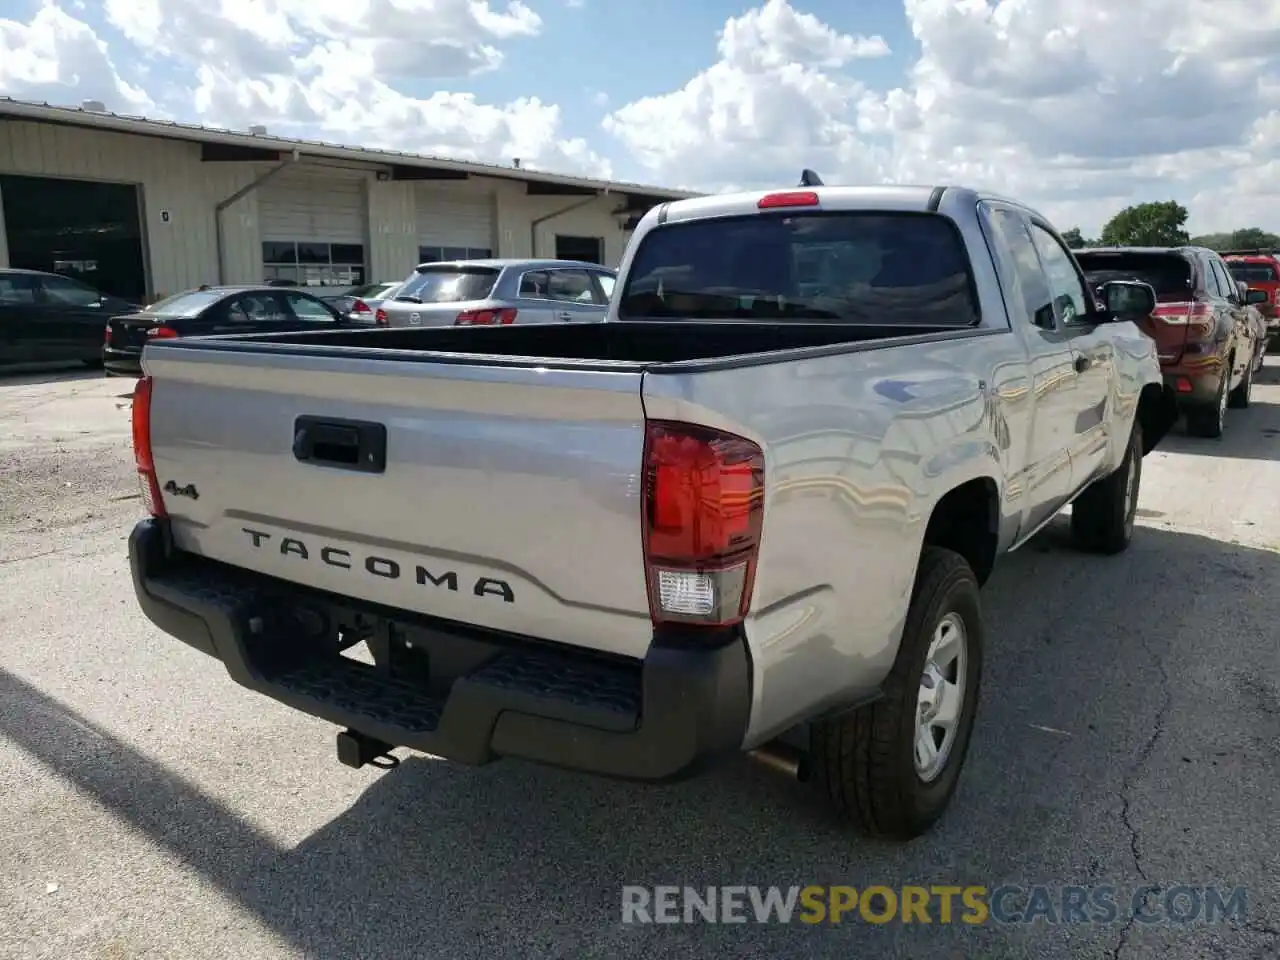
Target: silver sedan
{"type": "Point", "coordinates": [498, 292]}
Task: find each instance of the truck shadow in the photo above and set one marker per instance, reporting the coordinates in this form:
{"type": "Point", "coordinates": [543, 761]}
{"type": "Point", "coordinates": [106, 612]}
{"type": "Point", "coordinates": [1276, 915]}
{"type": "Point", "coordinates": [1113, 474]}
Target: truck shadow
{"type": "Point", "coordinates": [513, 859]}
{"type": "Point", "coordinates": [26, 375]}
{"type": "Point", "coordinates": [1252, 434]}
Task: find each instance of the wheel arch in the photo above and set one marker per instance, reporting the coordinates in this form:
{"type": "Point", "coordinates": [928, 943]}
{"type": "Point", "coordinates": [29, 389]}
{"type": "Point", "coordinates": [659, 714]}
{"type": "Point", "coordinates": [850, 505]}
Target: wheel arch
{"type": "Point", "coordinates": [966, 520]}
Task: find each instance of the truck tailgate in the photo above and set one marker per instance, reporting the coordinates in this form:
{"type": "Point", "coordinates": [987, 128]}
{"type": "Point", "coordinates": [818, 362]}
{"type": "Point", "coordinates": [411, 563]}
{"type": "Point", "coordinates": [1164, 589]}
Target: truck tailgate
{"type": "Point", "coordinates": [510, 496]}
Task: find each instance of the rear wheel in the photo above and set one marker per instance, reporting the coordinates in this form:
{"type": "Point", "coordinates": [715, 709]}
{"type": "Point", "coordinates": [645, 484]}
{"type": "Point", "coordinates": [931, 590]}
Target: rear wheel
{"type": "Point", "coordinates": [1210, 422]}
{"type": "Point", "coordinates": [893, 766]}
{"type": "Point", "coordinates": [1103, 516]}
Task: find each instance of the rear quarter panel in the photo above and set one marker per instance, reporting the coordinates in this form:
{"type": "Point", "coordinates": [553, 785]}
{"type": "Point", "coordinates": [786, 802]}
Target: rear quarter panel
{"type": "Point", "coordinates": [858, 449]}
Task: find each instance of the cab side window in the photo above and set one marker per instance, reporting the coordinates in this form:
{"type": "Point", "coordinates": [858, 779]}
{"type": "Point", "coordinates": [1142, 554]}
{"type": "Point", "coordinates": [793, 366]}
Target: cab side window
{"type": "Point", "coordinates": [1033, 286]}
{"type": "Point", "coordinates": [1070, 296]}
{"type": "Point", "coordinates": [1225, 280]}
{"type": "Point", "coordinates": [1212, 285]}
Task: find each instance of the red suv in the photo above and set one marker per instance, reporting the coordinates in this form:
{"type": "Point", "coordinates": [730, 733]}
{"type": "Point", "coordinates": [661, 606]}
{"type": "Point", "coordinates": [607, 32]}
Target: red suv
{"type": "Point", "coordinates": [1203, 327]}
{"type": "Point", "coordinates": [1259, 270]}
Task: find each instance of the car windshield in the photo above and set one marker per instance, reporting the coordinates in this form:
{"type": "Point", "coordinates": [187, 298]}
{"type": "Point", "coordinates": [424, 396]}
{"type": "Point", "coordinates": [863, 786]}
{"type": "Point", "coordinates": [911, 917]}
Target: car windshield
{"type": "Point", "coordinates": [447, 284]}
{"type": "Point", "coordinates": [871, 268]}
{"type": "Point", "coordinates": [1253, 272]}
{"type": "Point", "coordinates": [1168, 274]}
{"type": "Point", "coordinates": [185, 304]}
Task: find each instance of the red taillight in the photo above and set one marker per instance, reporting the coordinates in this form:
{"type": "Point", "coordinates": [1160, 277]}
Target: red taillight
{"type": "Point", "coordinates": [380, 318]}
{"type": "Point", "coordinates": [795, 198]}
{"type": "Point", "coordinates": [162, 333]}
{"type": "Point", "coordinates": [1197, 316]}
{"type": "Point", "coordinates": [703, 513]}
{"type": "Point", "coordinates": [360, 307]}
{"type": "Point", "coordinates": [142, 456]}
{"type": "Point", "coordinates": [106, 334]}
{"type": "Point", "coordinates": [486, 318]}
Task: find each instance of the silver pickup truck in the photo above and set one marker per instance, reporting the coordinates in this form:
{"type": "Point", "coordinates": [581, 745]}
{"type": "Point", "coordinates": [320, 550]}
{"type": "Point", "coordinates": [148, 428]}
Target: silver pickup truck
{"type": "Point", "coordinates": [749, 512]}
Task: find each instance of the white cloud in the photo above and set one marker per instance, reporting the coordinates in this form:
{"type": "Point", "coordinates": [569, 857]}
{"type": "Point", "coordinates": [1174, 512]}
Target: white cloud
{"type": "Point", "coordinates": [58, 58]}
{"type": "Point", "coordinates": [1081, 108]}
{"type": "Point", "coordinates": [330, 69]}
{"type": "Point", "coordinates": [775, 100]}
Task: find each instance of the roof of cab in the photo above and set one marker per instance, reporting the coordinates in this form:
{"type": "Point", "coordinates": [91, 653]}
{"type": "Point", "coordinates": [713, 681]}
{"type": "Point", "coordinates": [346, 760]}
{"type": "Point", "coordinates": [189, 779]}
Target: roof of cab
{"type": "Point", "coordinates": [922, 198]}
{"type": "Point", "coordinates": [526, 263]}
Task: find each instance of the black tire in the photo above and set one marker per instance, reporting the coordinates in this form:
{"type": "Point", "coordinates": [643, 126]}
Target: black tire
{"type": "Point", "coordinates": [865, 759]}
{"type": "Point", "coordinates": [1102, 517]}
{"type": "Point", "coordinates": [1211, 421]}
{"type": "Point", "coordinates": [1240, 396]}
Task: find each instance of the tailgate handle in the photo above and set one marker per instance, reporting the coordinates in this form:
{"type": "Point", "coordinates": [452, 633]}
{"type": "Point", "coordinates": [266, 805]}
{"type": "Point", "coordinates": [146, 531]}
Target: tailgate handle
{"type": "Point", "coordinates": [347, 444]}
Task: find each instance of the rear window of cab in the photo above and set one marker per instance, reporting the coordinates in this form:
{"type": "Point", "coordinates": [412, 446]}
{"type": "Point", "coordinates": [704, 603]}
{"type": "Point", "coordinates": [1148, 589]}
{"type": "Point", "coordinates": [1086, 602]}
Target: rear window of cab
{"type": "Point", "coordinates": [846, 267]}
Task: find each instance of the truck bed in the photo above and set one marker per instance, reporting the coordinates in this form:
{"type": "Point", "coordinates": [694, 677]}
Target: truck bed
{"type": "Point", "coordinates": [592, 345]}
{"type": "Point", "coordinates": [493, 477]}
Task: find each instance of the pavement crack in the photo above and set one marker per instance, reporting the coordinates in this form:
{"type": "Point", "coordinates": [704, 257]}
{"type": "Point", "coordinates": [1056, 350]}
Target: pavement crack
{"type": "Point", "coordinates": [1130, 779]}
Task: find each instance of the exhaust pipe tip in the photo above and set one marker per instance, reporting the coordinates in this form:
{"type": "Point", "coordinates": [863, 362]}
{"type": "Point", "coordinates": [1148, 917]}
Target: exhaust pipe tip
{"type": "Point", "coordinates": [785, 759]}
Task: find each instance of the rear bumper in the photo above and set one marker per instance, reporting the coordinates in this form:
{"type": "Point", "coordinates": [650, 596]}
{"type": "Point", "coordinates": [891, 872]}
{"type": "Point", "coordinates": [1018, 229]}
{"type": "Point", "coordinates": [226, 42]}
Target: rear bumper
{"type": "Point", "coordinates": [1193, 387]}
{"type": "Point", "coordinates": [122, 361]}
{"type": "Point", "coordinates": [473, 697]}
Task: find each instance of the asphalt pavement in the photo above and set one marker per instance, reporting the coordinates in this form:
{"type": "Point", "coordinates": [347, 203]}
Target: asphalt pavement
{"type": "Point", "coordinates": [1128, 736]}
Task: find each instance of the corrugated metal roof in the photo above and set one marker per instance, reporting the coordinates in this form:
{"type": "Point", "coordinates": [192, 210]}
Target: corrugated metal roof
{"type": "Point", "coordinates": [172, 129]}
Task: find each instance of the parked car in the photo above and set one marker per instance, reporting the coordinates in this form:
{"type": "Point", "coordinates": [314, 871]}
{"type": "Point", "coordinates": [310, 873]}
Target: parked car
{"type": "Point", "coordinates": [1260, 270]}
{"type": "Point", "coordinates": [734, 516]}
{"type": "Point", "coordinates": [46, 317]}
{"type": "Point", "coordinates": [211, 310]}
{"type": "Point", "coordinates": [361, 303]}
{"type": "Point", "coordinates": [499, 293]}
{"type": "Point", "coordinates": [1206, 342]}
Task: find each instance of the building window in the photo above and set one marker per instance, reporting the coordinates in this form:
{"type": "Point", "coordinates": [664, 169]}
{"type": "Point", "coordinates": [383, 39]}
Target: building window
{"type": "Point", "coordinates": [584, 249]}
{"type": "Point", "coordinates": [308, 264]}
{"type": "Point", "coordinates": [449, 254]}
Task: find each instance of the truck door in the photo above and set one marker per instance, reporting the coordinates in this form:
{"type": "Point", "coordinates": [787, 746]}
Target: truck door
{"type": "Point", "coordinates": [1044, 476]}
{"type": "Point", "coordinates": [1093, 360]}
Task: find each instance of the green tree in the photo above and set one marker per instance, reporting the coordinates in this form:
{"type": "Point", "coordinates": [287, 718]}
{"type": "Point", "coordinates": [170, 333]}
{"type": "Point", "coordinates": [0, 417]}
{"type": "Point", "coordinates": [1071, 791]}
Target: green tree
{"type": "Point", "coordinates": [1157, 224]}
{"type": "Point", "coordinates": [1214, 241]}
{"type": "Point", "coordinates": [1247, 238]}
{"type": "Point", "coordinates": [1073, 239]}
{"type": "Point", "coordinates": [1253, 238]}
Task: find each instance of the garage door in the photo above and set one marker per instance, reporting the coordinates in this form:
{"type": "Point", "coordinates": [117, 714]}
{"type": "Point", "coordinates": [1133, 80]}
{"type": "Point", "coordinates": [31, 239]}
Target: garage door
{"type": "Point", "coordinates": [312, 224]}
{"type": "Point", "coordinates": [453, 227]}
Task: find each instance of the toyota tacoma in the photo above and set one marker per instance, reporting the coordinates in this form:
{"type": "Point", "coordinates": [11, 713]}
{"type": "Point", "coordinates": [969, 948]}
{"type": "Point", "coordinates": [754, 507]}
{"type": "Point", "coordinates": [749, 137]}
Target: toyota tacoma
{"type": "Point", "coordinates": [750, 512]}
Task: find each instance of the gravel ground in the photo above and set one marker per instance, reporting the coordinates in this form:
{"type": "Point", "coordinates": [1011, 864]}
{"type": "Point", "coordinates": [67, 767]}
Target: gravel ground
{"type": "Point", "coordinates": [151, 808]}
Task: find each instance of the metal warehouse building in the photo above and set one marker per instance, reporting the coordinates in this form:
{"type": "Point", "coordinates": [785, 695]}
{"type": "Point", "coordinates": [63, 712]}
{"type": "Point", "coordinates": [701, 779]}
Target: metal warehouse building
{"type": "Point", "coordinates": [144, 208]}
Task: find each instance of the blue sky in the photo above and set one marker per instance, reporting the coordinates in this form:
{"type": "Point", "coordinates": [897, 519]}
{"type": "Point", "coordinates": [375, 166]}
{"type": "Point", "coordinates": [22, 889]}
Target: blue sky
{"type": "Point", "coordinates": [1067, 106]}
{"type": "Point", "coordinates": [589, 49]}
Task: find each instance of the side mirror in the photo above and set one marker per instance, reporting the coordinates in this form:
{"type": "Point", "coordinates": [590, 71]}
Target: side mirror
{"type": "Point", "coordinates": [1128, 299]}
{"type": "Point", "coordinates": [1256, 296]}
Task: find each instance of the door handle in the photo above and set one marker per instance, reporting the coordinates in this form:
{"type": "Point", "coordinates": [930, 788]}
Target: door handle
{"type": "Point", "coordinates": [348, 444]}
{"type": "Point", "coordinates": [1083, 364]}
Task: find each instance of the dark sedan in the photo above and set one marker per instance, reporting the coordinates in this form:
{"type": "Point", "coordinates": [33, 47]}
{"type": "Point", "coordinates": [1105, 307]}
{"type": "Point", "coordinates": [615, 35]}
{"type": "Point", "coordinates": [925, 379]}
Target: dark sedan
{"type": "Point", "coordinates": [49, 318]}
{"type": "Point", "coordinates": [212, 310]}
